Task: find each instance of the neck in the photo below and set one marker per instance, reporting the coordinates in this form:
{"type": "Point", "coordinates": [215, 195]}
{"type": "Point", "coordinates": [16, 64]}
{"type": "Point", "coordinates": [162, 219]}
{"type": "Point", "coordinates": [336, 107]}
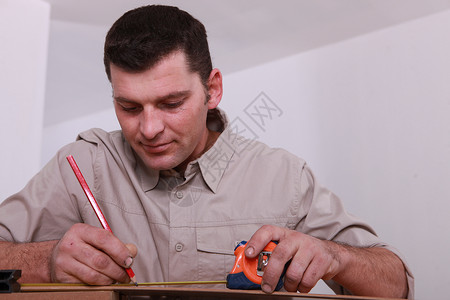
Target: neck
{"type": "Point", "coordinates": [211, 138]}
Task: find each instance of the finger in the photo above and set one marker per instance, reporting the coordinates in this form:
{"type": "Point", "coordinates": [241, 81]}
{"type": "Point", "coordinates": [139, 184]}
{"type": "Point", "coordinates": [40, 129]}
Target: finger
{"type": "Point", "coordinates": [93, 260]}
{"type": "Point", "coordinates": [60, 274]}
{"type": "Point", "coordinates": [313, 274]}
{"type": "Point", "coordinates": [133, 249]}
{"type": "Point", "coordinates": [272, 273]}
{"type": "Point", "coordinates": [296, 270]}
{"type": "Point", "coordinates": [100, 262]}
{"type": "Point", "coordinates": [261, 238]}
{"type": "Point", "coordinates": [106, 242]}
{"type": "Point", "coordinates": [63, 277]}
{"type": "Point", "coordinates": [80, 272]}
{"type": "Point", "coordinates": [282, 253]}
{"type": "Point", "coordinates": [67, 269]}
{"type": "Point", "coordinates": [90, 246]}
{"type": "Point", "coordinates": [324, 264]}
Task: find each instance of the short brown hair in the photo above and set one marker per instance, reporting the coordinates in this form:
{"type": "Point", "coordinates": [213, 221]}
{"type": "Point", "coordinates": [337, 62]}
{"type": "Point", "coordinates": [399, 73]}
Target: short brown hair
{"type": "Point", "coordinates": [143, 36]}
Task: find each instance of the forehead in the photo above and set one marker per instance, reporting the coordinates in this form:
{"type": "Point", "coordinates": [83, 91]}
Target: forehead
{"type": "Point", "coordinates": [169, 75]}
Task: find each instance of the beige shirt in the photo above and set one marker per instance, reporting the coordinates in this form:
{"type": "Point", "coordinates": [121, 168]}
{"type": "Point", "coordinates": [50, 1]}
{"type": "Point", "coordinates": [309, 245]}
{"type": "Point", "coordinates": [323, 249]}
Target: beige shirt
{"type": "Point", "coordinates": [184, 228]}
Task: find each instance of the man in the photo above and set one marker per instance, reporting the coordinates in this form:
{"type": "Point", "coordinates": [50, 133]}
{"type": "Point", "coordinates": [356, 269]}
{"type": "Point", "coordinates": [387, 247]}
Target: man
{"type": "Point", "coordinates": [180, 187]}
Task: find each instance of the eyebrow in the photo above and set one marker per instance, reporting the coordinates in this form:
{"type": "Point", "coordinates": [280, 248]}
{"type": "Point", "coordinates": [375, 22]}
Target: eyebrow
{"type": "Point", "coordinates": [162, 98]}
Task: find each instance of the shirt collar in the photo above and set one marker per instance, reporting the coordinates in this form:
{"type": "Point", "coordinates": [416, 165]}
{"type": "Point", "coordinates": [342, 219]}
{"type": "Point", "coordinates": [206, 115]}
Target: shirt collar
{"type": "Point", "coordinates": [149, 177]}
{"type": "Point", "coordinates": [215, 161]}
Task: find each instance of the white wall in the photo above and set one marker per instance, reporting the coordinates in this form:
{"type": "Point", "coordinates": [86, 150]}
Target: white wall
{"type": "Point", "coordinates": [57, 135]}
{"type": "Point", "coordinates": [23, 58]}
{"type": "Point", "coordinates": [370, 115]}
{"type": "Point", "coordinates": [75, 73]}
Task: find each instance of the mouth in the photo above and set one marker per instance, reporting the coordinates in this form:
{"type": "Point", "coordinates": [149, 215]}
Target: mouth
{"type": "Point", "coordinates": [156, 148]}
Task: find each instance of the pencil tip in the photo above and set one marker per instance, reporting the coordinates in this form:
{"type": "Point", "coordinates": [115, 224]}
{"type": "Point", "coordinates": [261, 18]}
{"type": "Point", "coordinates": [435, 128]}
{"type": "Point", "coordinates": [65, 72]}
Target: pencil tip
{"type": "Point", "coordinates": [133, 280]}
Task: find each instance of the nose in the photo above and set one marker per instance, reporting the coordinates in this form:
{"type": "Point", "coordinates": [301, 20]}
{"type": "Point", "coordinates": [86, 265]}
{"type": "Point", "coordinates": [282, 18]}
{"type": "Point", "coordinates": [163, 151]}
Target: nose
{"type": "Point", "coordinates": [151, 123]}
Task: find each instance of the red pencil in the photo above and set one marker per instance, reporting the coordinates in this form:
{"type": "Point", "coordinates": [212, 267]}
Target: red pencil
{"type": "Point", "coordinates": [95, 206]}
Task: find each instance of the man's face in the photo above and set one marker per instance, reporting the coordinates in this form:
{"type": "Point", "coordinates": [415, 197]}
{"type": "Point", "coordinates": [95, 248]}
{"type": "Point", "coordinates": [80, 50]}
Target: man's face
{"type": "Point", "coordinates": [162, 112]}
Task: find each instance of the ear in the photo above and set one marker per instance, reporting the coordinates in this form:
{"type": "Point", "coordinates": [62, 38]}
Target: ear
{"type": "Point", "coordinates": [215, 89]}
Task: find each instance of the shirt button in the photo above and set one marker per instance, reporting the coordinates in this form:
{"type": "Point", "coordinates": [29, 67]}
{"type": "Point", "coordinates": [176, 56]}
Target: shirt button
{"type": "Point", "coordinates": [179, 194]}
{"type": "Point", "coordinates": [179, 247]}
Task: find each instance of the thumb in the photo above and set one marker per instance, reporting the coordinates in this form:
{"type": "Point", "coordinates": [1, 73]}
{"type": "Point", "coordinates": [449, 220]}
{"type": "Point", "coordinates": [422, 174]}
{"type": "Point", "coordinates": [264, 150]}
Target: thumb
{"type": "Point", "coordinates": [132, 248]}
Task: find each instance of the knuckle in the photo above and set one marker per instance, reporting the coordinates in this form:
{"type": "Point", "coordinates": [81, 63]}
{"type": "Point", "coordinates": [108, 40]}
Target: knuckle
{"type": "Point", "coordinates": [96, 278]}
{"type": "Point", "coordinates": [282, 251]}
{"type": "Point", "coordinates": [124, 278]}
{"type": "Point", "coordinates": [66, 245]}
{"type": "Point", "coordinates": [308, 283]}
{"type": "Point", "coordinates": [290, 286]}
{"type": "Point", "coordinates": [79, 227]}
{"type": "Point", "coordinates": [266, 227]}
{"type": "Point", "coordinates": [321, 259]}
{"type": "Point", "coordinates": [294, 275]}
{"type": "Point", "coordinates": [103, 237]}
{"type": "Point", "coordinates": [265, 232]}
{"type": "Point", "coordinates": [87, 275]}
{"type": "Point", "coordinates": [290, 283]}
{"type": "Point", "coordinates": [100, 261]}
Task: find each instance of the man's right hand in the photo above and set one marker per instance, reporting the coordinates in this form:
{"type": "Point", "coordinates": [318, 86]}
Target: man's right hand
{"type": "Point", "coordinates": [91, 255]}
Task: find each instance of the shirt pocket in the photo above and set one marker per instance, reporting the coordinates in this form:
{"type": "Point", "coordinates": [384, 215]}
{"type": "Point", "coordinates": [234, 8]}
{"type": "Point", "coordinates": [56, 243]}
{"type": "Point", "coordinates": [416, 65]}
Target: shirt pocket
{"type": "Point", "coordinates": [215, 248]}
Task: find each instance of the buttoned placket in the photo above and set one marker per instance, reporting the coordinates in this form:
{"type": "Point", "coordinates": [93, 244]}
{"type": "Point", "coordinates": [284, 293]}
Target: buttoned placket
{"type": "Point", "coordinates": [183, 243]}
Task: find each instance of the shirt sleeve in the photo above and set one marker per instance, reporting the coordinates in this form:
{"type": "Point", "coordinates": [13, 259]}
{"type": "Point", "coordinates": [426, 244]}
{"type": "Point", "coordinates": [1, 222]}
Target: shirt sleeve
{"type": "Point", "coordinates": [327, 219]}
{"type": "Point", "coordinates": [49, 204]}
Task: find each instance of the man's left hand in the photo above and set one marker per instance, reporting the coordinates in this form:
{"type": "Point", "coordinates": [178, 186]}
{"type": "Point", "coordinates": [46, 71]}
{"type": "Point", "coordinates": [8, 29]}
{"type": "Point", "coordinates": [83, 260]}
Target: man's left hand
{"type": "Point", "coordinates": [310, 259]}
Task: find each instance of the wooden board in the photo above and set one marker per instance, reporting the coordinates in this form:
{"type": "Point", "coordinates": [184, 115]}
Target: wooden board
{"type": "Point", "coordinates": [167, 293]}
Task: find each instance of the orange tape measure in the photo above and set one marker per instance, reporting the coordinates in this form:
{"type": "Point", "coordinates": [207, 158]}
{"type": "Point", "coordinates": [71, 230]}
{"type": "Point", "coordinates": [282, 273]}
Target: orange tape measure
{"type": "Point", "coordinates": [247, 272]}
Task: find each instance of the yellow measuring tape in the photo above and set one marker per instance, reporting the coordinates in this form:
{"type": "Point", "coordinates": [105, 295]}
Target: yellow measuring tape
{"type": "Point", "coordinates": [131, 284]}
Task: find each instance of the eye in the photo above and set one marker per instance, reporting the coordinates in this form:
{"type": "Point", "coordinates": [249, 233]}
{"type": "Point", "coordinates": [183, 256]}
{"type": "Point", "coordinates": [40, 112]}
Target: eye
{"type": "Point", "coordinates": [129, 108]}
{"type": "Point", "coordinates": [172, 105]}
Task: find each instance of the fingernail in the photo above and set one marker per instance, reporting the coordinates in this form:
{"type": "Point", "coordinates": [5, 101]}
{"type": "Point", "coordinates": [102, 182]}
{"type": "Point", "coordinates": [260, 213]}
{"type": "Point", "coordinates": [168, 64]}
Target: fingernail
{"type": "Point", "coordinates": [266, 288]}
{"type": "Point", "coordinates": [128, 262]}
{"type": "Point", "coordinates": [250, 250]}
